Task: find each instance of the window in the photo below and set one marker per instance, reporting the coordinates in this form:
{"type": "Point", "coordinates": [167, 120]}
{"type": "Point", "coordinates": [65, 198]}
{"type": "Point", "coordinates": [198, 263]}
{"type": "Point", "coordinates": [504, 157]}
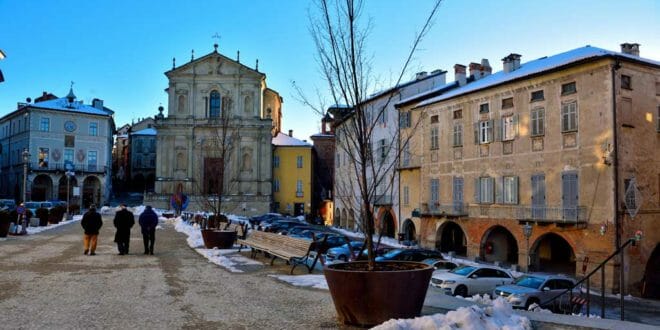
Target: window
{"type": "Point", "coordinates": [458, 114]}
{"type": "Point", "coordinates": [214, 104]}
{"type": "Point", "coordinates": [181, 106]}
{"type": "Point", "coordinates": [509, 128]}
{"type": "Point", "coordinates": [485, 131]}
{"type": "Point", "coordinates": [276, 185]}
{"type": "Point", "coordinates": [276, 161]}
{"type": "Point", "coordinates": [434, 119]}
{"type": "Point", "coordinates": [382, 117]}
{"type": "Point", "coordinates": [537, 121]}
{"type": "Point", "coordinates": [68, 156]}
{"type": "Point", "coordinates": [406, 195]}
{"type": "Point", "coordinates": [299, 188]}
{"type": "Point", "coordinates": [507, 103]}
{"type": "Point", "coordinates": [570, 195]}
{"type": "Point", "coordinates": [43, 157]}
{"type": "Point", "coordinates": [484, 189]}
{"type": "Point", "coordinates": [299, 161]}
{"type": "Point", "coordinates": [404, 119]}
{"type": "Point", "coordinates": [626, 82]}
{"type": "Point", "coordinates": [94, 129]}
{"type": "Point", "coordinates": [434, 138]}
{"type": "Point", "coordinates": [383, 149]}
{"type": "Point", "coordinates": [483, 108]}
{"type": "Point", "coordinates": [91, 160]}
{"type": "Point", "coordinates": [569, 117]}
{"type": "Point", "coordinates": [568, 88]}
{"type": "Point", "coordinates": [435, 192]}
{"type": "Point", "coordinates": [69, 141]}
{"type": "Point", "coordinates": [510, 190]}
{"type": "Point", "coordinates": [44, 124]}
{"type": "Point", "coordinates": [537, 96]}
{"type": "Point", "coordinates": [458, 135]}
{"type": "Point", "coordinates": [406, 155]}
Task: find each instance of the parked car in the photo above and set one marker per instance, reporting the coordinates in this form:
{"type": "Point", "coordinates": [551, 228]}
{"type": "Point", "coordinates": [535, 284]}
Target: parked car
{"type": "Point", "coordinates": [9, 204]}
{"type": "Point", "coordinates": [331, 240]}
{"type": "Point", "coordinates": [410, 255]}
{"type": "Point", "coordinates": [470, 280]}
{"type": "Point", "coordinates": [282, 225]}
{"type": "Point", "coordinates": [256, 220]}
{"type": "Point", "coordinates": [441, 266]}
{"type": "Point", "coordinates": [530, 289]}
{"type": "Point", "coordinates": [57, 203]}
{"type": "Point", "coordinates": [343, 253]}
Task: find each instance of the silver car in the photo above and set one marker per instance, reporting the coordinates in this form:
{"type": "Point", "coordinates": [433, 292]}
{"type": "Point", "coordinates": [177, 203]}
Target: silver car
{"type": "Point", "coordinates": [468, 280]}
{"type": "Point", "coordinates": [530, 289]}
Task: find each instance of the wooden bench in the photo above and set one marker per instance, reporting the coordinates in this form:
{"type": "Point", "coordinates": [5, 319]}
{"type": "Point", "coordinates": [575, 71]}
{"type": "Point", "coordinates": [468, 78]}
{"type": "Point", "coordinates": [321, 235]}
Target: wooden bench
{"type": "Point", "coordinates": [294, 251]}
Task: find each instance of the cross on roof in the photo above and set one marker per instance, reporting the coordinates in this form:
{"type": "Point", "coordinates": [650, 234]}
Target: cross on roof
{"type": "Point", "coordinates": [216, 36]}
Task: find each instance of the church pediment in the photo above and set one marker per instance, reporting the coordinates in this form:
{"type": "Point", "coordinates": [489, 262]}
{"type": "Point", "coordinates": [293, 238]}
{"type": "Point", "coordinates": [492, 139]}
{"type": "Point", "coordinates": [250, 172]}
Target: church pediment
{"type": "Point", "coordinates": [214, 64]}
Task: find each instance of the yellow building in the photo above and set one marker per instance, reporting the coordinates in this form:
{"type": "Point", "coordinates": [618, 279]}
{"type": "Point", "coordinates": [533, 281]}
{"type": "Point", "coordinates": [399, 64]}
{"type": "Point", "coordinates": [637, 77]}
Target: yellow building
{"type": "Point", "coordinates": [292, 175]}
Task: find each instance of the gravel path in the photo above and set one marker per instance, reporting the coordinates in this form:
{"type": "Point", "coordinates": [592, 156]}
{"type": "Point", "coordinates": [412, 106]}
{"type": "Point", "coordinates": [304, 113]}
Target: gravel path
{"type": "Point", "coordinates": [47, 283]}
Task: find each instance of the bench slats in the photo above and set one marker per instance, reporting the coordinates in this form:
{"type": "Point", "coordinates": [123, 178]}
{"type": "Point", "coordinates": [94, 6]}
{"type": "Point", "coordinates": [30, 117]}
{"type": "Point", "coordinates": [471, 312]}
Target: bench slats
{"type": "Point", "coordinates": [293, 250]}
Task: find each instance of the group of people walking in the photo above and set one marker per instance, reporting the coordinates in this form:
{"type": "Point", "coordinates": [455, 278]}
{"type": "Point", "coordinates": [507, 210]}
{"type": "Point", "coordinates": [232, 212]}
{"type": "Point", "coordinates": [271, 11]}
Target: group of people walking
{"type": "Point", "coordinates": [123, 221]}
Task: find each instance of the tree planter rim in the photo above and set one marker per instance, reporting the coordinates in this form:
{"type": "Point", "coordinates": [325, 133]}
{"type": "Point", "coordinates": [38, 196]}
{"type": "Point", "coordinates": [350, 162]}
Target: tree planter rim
{"type": "Point", "coordinates": [418, 266]}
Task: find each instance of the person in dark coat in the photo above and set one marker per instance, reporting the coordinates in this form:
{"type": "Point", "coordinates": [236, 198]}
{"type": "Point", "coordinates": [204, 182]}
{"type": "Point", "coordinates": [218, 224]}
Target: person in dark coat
{"type": "Point", "coordinates": [124, 220]}
{"type": "Point", "coordinates": [91, 223]}
{"type": "Point", "coordinates": [148, 221]}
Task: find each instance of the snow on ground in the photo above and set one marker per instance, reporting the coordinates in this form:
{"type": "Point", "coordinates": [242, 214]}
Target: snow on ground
{"type": "Point", "coordinates": [498, 316]}
{"type": "Point", "coordinates": [36, 230]}
{"type": "Point", "coordinates": [314, 281]}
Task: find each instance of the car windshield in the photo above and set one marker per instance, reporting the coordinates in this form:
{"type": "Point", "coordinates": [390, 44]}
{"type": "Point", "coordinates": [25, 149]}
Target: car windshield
{"type": "Point", "coordinates": [31, 205]}
{"type": "Point", "coordinates": [392, 254]}
{"type": "Point", "coordinates": [529, 282]}
{"type": "Point", "coordinates": [463, 270]}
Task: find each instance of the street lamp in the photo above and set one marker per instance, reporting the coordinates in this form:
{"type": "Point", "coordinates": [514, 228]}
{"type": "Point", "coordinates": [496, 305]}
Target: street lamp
{"type": "Point", "coordinates": [69, 174]}
{"type": "Point", "coordinates": [527, 231]}
{"type": "Point", "coordinates": [26, 161]}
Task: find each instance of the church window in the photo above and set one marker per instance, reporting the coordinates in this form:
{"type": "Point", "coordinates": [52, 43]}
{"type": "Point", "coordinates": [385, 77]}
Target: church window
{"type": "Point", "coordinates": [214, 104]}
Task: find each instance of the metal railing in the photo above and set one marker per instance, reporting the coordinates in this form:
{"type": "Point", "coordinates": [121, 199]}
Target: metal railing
{"type": "Point", "coordinates": [530, 213]}
{"type": "Point", "coordinates": [63, 167]}
{"type": "Point", "coordinates": [454, 209]}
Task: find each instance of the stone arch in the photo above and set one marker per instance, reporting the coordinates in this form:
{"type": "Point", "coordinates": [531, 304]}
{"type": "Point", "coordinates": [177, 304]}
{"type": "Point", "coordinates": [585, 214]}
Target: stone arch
{"type": "Point", "coordinates": [337, 218]}
{"type": "Point", "coordinates": [387, 224]}
{"type": "Point", "coordinates": [62, 184]}
{"type": "Point", "coordinates": [451, 237]}
{"type": "Point", "coordinates": [409, 231]}
{"type": "Point", "coordinates": [42, 188]}
{"type": "Point", "coordinates": [651, 282]}
{"type": "Point", "coordinates": [552, 253]}
{"type": "Point", "coordinates": [499, 244]}
{"type": "Point", "coordinates": [91, 192]}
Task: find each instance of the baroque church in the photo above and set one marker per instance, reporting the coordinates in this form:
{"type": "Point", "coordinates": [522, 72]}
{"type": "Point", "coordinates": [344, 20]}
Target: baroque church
{"type": "Point", "coordinates": [215, 139]}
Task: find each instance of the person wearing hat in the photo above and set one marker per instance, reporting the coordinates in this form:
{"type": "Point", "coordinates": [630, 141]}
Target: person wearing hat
{"type": "Point", "coordinates": [124, 220]}
{"type": "Point", "coordinates": [148, 221]}
{"type": "Point", "coordinates": [91, 223]}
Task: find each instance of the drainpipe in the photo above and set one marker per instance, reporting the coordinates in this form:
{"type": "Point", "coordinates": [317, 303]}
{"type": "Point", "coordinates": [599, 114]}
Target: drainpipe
{"type": "Point", "coordinates": [617, 223]}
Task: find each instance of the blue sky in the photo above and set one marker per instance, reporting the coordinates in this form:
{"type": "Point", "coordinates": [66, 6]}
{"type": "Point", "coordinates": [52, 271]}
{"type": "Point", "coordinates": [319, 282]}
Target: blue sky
{"type": "Point", "coordinates": [118, 50]}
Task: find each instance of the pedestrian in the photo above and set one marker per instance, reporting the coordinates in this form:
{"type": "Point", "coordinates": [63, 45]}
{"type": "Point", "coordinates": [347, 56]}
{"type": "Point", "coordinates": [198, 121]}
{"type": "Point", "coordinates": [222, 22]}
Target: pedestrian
{"type": "Point", "coordinates": [148, 221]}
{"type": "Point", "coordinates": [91, 223]}
{"type": "Point", "coordinates": [124, 221]}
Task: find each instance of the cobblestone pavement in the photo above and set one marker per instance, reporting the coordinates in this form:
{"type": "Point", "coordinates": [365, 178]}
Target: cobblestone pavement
{"type": "Point", "coordinates": [47, 283]}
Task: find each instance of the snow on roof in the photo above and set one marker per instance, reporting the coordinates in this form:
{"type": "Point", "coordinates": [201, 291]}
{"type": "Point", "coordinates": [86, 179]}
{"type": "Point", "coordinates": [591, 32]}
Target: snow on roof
{"type": "Point", "coordinates": [284, 140]}
{"type": "Point", "coordinates": [63, 105]}
{"type": "Point", "coordinates": [533, 67]}
{"type": "Point", "coordinates": [146, 131]}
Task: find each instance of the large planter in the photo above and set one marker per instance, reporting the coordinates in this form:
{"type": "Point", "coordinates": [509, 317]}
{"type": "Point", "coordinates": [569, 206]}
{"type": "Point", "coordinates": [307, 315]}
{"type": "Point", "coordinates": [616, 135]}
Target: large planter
{"type": "Point", "coordinates": [396, 289]}
{"type": "Point", "coordinates": [4, 228]}
{"type": "Point", "coordinates": [222, 239]}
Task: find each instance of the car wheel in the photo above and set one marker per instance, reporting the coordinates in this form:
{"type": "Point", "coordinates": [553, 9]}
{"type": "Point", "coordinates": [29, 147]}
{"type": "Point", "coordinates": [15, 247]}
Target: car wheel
{"type": "Point", "coordinates": [461, 290]}
{"type": "Point", "coordinates": [530, 302]}
{"type": "Point", "coordinates": [342, 258]}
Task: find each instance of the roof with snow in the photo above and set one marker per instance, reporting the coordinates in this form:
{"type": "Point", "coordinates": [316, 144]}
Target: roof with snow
{"type": "Point", "coordinates": [62, 104]}
{"type": "Point", "coordinates": [535, 67]}
{"type": "Point", "coordinates": [146, 131]}
{"type": "Point", "coordinates": [283, 140]}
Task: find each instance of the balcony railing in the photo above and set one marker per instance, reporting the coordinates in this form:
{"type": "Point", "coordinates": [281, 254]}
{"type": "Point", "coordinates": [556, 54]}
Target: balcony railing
{"type": "Point", "coordinates": [453, 209]}
{"type": "Point", "coordinates": [410, 162]}
{"type": "Point", "coordinates": [530, 213]}
{"type": "Point", "coordinates": [383, 200]}
{"type": "Point", "coordinates": [55, 167]}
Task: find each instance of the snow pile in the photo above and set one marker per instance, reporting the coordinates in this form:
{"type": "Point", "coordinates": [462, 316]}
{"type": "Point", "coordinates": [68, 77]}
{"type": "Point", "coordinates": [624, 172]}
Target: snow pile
{"type": "Point", "coordinates": [499, 316]}
{"type": "Point", "coordinates": [36, 230]}
{"type": "Point", "coordinates": [537, 308]}
{"type": "Point", "coordinates": [194, 234]}
{"type": "Point", "coordinates": [479, 299]}
{"type": "Point", "coordinates": [108, 210]}
{"type": "Point", "coordinates": [314, 281]}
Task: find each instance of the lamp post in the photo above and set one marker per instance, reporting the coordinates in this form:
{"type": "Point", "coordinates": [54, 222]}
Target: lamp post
{"type": "Point", "coordinates": [527, 231]}
{"type": "Point", "coordinates": [26, 160]}
{"type": "Point", "coordinates": [69, 174]}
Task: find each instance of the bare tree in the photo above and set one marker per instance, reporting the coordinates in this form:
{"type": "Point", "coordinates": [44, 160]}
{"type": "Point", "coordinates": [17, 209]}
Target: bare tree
{"type": "Point", "coordinates": [340, 41]}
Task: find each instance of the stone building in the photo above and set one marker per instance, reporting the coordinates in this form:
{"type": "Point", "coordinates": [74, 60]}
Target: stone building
{"type": "Point", "coordinates": [323, 172]}
{"type": "Point", "coordinates": [143, 159]}
{"type": "Point", "coordinates": [61, 135]}
{"type": "Point", "coordinates": [566, 145]}
{"type": "Point", "coordinates": [217, 106]}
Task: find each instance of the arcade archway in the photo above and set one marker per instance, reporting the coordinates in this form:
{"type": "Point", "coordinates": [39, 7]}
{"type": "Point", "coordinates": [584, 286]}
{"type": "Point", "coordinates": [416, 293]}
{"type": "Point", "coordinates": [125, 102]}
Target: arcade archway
{"type": "Point", "coordinates": [42, 188]}
{"type": "Point", "coordinates": [651, 283]}
{"type": "Point", "coordinates": [552, 253]}
{"type": "Point", "coordinates": [409, 232]}
{"type": "Point", "coordinates": [498, 244]}
{"type": "Point", "coordinates": [450, 237]}
{"type": "Point", "coordinates": [387, 227]}
{"type": "Point", "coordinates": [91, 191]}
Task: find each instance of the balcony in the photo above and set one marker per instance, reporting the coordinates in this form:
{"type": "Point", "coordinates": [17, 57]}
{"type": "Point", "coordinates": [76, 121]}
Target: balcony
{"type": "Point", "coordinates": [383, 200]}
{"type": "Point", "coordinates": [552, 214]}
{"type": "Point", "coordinates": [60, 167]}
{"type": "Point", "coordinates": [437, 209]}
{"type": "Point", "coordinates": [409, 163]}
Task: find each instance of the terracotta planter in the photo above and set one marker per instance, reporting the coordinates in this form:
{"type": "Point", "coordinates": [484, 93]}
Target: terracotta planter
{"type": "Point", "coordinates": [367, 298]}
{"type": "Point", "coordinates": [222, 239]}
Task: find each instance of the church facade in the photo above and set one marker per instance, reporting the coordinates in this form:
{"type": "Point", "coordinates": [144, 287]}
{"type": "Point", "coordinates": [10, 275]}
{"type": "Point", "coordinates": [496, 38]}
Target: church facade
{"type": "Point", "coordinates": [215, 139]}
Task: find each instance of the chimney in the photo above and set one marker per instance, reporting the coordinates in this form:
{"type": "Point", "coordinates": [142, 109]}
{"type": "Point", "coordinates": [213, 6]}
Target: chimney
{"type": "Point", "coordinates": [459, 74]}
{"type": "Point", "coordinates": [291, 133]}
{"type": "Point", "coordinates": [630, 49]}
{"type": "Point", "coordinates": [96, 103]}
{"type": "Point", "coordinates": [420, 75]}
{"type": "Point", "coordinates": [486, 69]}
{"type": "Point", "coordinates": [474, 70]}
{"type": "Point", "coordinates": [511, 62]}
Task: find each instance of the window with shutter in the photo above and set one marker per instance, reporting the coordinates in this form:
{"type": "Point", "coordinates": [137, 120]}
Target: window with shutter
{"type": "Point", "coordinates": [570, 195]}
{"type": "Point", "coordinates": [537, 121]}
{"type": "Point", "coordinates": [569, 117]}
{"type": "Point", "coordinates": [435, 192]}
{"type": "Point", "coordinates": [510, 190]}
{"type": "Point", "coordinates": [458, 135]}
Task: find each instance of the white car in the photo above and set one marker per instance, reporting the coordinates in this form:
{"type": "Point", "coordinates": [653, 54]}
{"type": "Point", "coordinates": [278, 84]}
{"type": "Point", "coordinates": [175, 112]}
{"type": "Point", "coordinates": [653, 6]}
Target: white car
{"type": "Point", "coordinates": [470, 280]}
